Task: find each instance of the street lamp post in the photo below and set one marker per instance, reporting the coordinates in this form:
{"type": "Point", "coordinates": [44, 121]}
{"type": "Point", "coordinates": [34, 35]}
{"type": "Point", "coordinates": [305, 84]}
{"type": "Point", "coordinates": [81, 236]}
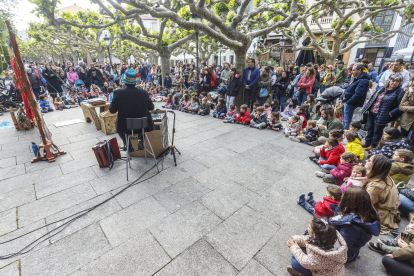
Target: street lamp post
{"type": "Point", "coordinates": [107, 43]}
{"type": "Point", "coordinates": [220, 46]}
{"type": "Point", "coordinates": [196, 19]}
{"type": "Point", "coordinates": [282, 44]}
{"type": "Point", "coordinates": [184, 57]}
{"type": "Point", "coordinates": [76, 46]}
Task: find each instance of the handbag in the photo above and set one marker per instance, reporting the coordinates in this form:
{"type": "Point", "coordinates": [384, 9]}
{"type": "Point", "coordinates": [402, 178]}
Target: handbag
{"type": "Point", "coordinates": [263, 92]}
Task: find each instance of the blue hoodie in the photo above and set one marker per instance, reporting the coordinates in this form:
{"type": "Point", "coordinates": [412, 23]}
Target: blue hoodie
{"type": "Point", "coordinates": [355, 233]}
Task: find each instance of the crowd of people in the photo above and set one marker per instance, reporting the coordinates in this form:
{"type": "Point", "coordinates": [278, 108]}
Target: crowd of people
{"type": "Point", "coordinates": [362, 144]}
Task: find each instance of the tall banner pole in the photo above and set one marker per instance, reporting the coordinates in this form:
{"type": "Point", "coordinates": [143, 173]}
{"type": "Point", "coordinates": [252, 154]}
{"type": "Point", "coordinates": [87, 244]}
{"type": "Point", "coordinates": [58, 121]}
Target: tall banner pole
{"type": "Point", "coordinates": [27, 90]}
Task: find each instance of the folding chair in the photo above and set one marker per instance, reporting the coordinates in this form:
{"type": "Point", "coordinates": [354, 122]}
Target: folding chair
{"type": "Point", "coordinates": [138, 125]}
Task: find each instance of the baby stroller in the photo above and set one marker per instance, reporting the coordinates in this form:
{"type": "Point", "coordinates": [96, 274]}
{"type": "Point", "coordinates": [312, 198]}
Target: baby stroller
{"type": "Point", "coordinates": [329, 97]}
{"type": "Point", "coordinates": [78, 83]}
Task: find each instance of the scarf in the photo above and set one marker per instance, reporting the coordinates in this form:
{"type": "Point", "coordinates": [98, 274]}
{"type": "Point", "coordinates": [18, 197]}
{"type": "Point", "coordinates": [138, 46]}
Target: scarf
{"type": "Point", "coordinates": [401, 68]}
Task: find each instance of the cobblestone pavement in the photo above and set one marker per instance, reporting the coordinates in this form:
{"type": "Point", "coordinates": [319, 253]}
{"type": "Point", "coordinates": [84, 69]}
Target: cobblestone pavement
{"type": "Point", "coordinates": [228, 208]}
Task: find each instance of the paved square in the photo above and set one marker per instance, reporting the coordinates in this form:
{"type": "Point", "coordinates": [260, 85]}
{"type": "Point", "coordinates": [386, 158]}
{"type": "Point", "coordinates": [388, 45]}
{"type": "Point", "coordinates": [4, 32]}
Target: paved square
{"type": "Point", "coordinates": [227, 208]}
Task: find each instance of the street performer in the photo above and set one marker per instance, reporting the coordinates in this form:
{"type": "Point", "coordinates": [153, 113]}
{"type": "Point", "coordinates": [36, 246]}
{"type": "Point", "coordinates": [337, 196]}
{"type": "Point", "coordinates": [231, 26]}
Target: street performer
{"type": "Point", "coordinates": [131, 102]}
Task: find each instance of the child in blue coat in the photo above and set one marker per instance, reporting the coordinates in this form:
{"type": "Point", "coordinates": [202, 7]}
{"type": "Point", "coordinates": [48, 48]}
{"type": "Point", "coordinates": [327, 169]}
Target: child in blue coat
{"type": "Point", "coordinates": [44, 104]}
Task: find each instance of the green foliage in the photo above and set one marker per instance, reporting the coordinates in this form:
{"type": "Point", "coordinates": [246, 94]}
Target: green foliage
{"type": "Point", "coordinates": [379, 30]}
{"type": "Point", "coordinates": [220, 8]}
{"type": "Point", "coordinates": [233, 5]}
{"type": "Point", "coordinates": [300, 31]}
{"type": "Point", "coordinates": [348, 23]}
{"type": "Point", "coordinates": [335, 23]}
{"type": "Point", "coordinates": [185, 13]}
{"type": "Point", "coordinates": [368, 27]}
{"type": "Point", "coordinates": [230, 17]}
{"type": "Point", "coordinates": [257, 3]}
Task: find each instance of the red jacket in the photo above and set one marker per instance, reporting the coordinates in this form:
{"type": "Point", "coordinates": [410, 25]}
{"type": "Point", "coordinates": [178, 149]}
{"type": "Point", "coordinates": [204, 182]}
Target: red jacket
{"type": "Point", "coordinates": [213, 79]}
{"type": "Point", "coordinates": [306, 83]}
{"type": "Point", "coordinates": [243, 118]}
{"type": "Point", "coordinates": [342, 171]}
{"type": "Point", "coordinates": [333, 155]}
{"type": "Point", "coordinates": [305, 122]}
{"type": "Point", "coordinates": [324, 208]}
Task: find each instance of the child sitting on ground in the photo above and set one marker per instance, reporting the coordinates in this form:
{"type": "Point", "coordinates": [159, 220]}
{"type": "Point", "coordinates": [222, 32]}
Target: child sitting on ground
{"type": "Point", "coordinates": [185, 103]}
{"type": "Point", "coordinates": [204, 108]}
{"type": "Point", "coordinates": [244, 116]}
{"type": "Point", "coordinates": [268, 110]}
{"type": "Point", "coordinates": [357, 127]}
{"type": "Point", "coordinates": [400, 248]}
{"type": "Point", "coordinates": [211, 101]}
{"type": "Point", "coordinates": [354, 144]}
{"type": "Point", "coordinates": [392, 140]}
{"type": "Point", "coordinates": [300, 111]}
{"type": "Point", "coordinates": [357, 178]}
{"type": "Point", "coordinates": [309, 134]}
{"type": "Point", "coordinates": [326, 251]}
{"type": "Point", "coordinates": [323, 208]}
{"type": "Point", "coordinates": [169, 101]}
{"type": "Point", "coordinates": [307, 113]}
{"type": "Point", "coordinates": [335, 134]}
{"type": "Point", "coordinates": [275, 105]}
{"type": "Point", "coordinates": [194, 106]}
{"type": "Point", "coordinates": [259, 121]}
{"type": "Point", "coordinates": [59, 104]}
{"type": "Point", "coordinates": [231, 114]}
{"type": "Point", "coordinates": [330, 154]}
{"type": "Point", "coordinates": [342, 170]}
{"type": "Point", "coordinates": [255, 106]}
{"type": "Point", "coordinates": [221, 109]}
{"type": "Point", "coordinates": [293, 127]}
{"type": "Point", "coordinates": [274, 122]}
{"type": "Point", "coordinates": [44, 104]}
{"type": "Point", "coordinates": [73, 98]}
{"type": "Point", "coordinates": [402, 169]}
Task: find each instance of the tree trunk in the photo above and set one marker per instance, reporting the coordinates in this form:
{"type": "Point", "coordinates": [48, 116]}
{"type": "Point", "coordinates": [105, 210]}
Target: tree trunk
{"type": "Point", "coordinates": [88, 58]}
{"type": "Point", "coordinates": [165, 66]}
{"type": "Point", "coordinates": [240, 66]}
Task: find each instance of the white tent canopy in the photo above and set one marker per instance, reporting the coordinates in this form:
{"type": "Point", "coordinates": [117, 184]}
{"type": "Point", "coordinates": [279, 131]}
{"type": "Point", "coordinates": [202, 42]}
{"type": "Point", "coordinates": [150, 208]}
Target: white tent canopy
{"type": "Point", "coordinates": [405, 52]}
{"type": "Point", "coordinates": [181, 57]}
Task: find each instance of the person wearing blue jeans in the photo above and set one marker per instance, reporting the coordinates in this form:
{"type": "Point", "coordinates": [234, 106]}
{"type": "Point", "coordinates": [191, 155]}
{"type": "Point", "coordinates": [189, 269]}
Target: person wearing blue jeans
{"type": "Point", "coordinates": [375, 131]}
{"type": "Point", "coordinates": [302, 98]}
{"type": "Point", "coordinates": [281, 102]}
{"type": "Point", "coordinates": [347, 114]}
{"type": "Point", "coordinates": [407, 205]}
{"type": "Point", "coordinates": [326, 166]}
{"type": "Point", "coordinates": [296, 265]}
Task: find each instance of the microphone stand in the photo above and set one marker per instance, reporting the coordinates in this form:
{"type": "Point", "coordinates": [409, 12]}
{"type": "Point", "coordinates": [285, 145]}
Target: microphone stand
{"type": "Point", "coordinates": [171, 149]}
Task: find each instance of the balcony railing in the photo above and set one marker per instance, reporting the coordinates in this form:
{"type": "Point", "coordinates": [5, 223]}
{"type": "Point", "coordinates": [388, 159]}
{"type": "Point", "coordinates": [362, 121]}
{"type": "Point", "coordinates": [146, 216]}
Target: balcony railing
{"type": "Point", "coordinates": [324, 21]}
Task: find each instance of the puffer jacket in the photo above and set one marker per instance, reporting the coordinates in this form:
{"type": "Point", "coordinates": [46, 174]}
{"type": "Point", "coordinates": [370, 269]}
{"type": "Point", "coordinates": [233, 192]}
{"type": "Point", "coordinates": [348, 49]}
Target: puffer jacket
{"type": "Point", "coordinates": [311, 134]}
{"type": "Point", "coordinates": [355, 232]}
{"type": "Point", "coordinates": [294, 128]}
{"type": "Point", "coordinates": [72, 77]}
{"type": "Point", "coordinates": [356, 148]}
{"type": "Point", "coordinates": [319, 261]}
{"type": "Point", "coordinates": [261, 118]}
{"type": "Point", "coordinates": [265, 81]}
{"type": "Point", "coordinates": [326, 207]}
{"type": "Point", "coordinates": [306, 83]}
{"type": "Point", "coordinates": [407, 116]}
{"type": "Point", "coordinates": [233, 86]}
{"type": "Point", "coordinates": [243, 117]}
{"type": "Point", "coordinates": [357, 90]}
{"type": "Point", "coordinates": [333, 155]}
{"type": "Point", "coordinates": [232, 113]}
{"type": "Point", "coordinates": [389, 104]}
{"type": "Point", "coordinates": [401, 172]}
{"type": "Point", "coordinates": [281, 86]}
{"type": "Point", "coordinates": [34, 80]}
{"type": "Point", "coordinates": [330, 78]}
{"type": "Point", "coordinates": [268, 112]}
{"type": "Point", "coordinates": [390, 147]}
{"type": "Point", "coordinates": [341, 171]}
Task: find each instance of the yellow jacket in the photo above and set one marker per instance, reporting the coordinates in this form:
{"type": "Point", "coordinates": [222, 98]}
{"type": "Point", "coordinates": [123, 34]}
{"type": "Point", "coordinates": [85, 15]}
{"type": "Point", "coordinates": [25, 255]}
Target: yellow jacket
{"type": "Point", "coordinates": [356, 148]}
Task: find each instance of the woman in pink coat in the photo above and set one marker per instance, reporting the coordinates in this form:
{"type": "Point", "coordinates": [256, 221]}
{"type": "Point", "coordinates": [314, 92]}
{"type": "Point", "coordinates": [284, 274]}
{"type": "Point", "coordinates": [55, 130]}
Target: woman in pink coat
{"type": "Point", "coordinates": [305, 85]}
{"type": "Point", "coordinates": [72, 75]}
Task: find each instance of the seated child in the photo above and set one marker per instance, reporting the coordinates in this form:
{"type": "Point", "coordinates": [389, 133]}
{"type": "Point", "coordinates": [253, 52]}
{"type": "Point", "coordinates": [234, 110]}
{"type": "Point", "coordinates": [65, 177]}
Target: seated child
{"type": "Point", "coordinates": [354, 144]}
{"type": "Point", "coordinates": [293, 127]}
{"type": "Point", "coordinates": [275, 105]}
{"type": "Point", "coordinates": [211, 101]}
{"type": "Point", "coordinates": [176, 102]}
{"type": "Point", "coordinates": [268, 110]}
{"type": "Point", "coordinates": [73, 99]}
{"type": "Point", "coordinates": [357, 127]}
{"type": "Point", "coordinates": [402, 169]}
{"type": "Point", "coordinates": [290, 110]}
{"type": "Point", "coordinates": [326, 251]}
{"type": "Point", "coordinates": [259, 121]}
{"type": "Point", "coordinates": [400, 248]}
{"type": "Point", "coordinates": [300, 111]}
{"type": "Point", "coordinates": [343, 170]}
{"type": "Point", "coordinates": [221, 109]}
{"type": "Point", "coordinates": [169, 102]}
{"type": "Point", "coordinates": [357, 178]}
{"type": "Point", "coordinates": [110, 95]}
{"type": "Point", "coordinates": [330, 154]}
{"type": "Point", "coordinates": [255, 106]}
{"type": "Point", "coordinates": [335, 134]}
{"type": "Point", "coordinates": [185, 103]}
{"type": "Point", "coordinates": [102, 96]}
{"type": "Point", "coordinates": [231, 114]}
{"type": "Point", "coordinates": [392, 140]}
{"type": "Point", "coordinates": [194, 106]}
{"type": "Point", "coordinates": [323, 208]}
{"type": "Point", "coordinates": [309, 134]}
{"type": "Point", "coordinates": [59, 104]}
{"type": "Point", "coordinates": [44, 104]}
{"type": "Point", "coordinates": [222, 88]}
{"type": "Point", "coordinates": [83, 90]}
{"type": "Point", "coordinates": [204, 108]}
{"type": "Point", "coordinates": [338, 112]}
{"type": "Point", "coordinates": [243, 117]}
{"type": "Point", "coordinates": [274, 122]}
{"type": "Point", "coordinates": [307, 113]}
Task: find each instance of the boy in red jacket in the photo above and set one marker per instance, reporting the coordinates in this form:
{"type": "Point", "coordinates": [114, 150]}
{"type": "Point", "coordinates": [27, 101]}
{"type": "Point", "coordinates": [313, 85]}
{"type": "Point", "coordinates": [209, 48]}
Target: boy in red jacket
{"type": "Point", "coordinates": [244, 116]}
{"type": "Point", "coordinates": [322, 208]}
{"type": "Point", "coordinates": [330, 154]}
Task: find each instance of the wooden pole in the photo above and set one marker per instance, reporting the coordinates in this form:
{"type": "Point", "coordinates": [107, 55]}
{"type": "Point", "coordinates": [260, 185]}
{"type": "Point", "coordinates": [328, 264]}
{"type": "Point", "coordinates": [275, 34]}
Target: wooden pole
{"type": "Point", "coordinates": [27, 89]}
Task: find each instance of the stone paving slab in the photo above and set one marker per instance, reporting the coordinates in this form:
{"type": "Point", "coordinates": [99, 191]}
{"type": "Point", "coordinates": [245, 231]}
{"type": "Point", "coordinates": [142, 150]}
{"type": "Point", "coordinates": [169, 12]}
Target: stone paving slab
{"type": "Point", "coordinates": [227, 208]}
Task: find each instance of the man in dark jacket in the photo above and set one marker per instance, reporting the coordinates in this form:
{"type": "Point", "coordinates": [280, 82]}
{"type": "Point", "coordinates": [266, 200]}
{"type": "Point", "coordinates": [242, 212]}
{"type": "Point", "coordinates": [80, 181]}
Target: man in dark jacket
{"type": "Point", "coordinates": [233, 87]}
{"type": "Point", "coordinates": [95, 76]}
{"type": "Point", "coordinates": [354, 96]}
{"type": "Point", "coordinates": [167, 81]}
{"type": "Point", "coordinates": [36, 82]}
{"type": "Point", "coordinates": [143, 72]}
{"type": "Point", "coordinates": [131, 102]}
{"type": "Point", "coordinates": [250, 79]}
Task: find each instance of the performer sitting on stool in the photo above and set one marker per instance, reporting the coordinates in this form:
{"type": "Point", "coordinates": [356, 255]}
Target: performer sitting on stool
{"type": "Point", "coordinates": [131, 102]}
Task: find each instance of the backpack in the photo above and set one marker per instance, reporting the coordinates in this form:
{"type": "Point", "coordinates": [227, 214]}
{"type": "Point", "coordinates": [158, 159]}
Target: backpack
{"type": "Point", "coordinates": [315, 87]}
